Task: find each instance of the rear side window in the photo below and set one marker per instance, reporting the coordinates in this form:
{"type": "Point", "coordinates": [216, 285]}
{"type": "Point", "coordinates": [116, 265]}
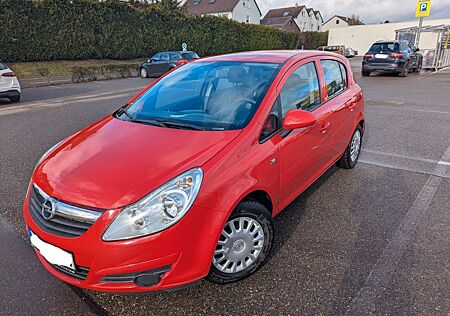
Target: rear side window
{"type": "Point", "coordinates": [384, 47]}
{"type": "Point", "coordinates": [190, 56]}
{"type": "Point", "coordinates": [2, 66]}
{"type": "Point", "coordinates": [301, 91]}
{"type": "Point", "coordinates": [335, 76]}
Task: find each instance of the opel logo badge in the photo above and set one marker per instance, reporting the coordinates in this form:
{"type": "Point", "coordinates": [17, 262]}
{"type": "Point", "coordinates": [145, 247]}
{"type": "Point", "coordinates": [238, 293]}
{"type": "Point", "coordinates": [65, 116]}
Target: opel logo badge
{"type": "Point", "coordinates": [48, 210]}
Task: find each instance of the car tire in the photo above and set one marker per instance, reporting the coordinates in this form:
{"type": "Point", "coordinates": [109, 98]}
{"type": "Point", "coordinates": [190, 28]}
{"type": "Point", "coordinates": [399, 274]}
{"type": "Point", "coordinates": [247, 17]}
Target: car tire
{"type": "Point", "coordinates": [242, 250]}
{"type": "Point", "coordinates": [15, 98]}
{"type": "Point", "coordinates": [365, 73]}
{"type": "Point", "coordinates": [143, 72]}
{"type": "Point", "coordinates": [405, 71]}
{"type": "Point", "coordinates": [353, 150]}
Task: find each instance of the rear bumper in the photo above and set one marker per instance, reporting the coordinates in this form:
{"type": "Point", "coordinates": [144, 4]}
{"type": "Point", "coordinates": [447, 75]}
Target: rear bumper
{"type": "Point", "coordinates": [383, 67]}
{"type": "Point", "coordinates": [9, 93]}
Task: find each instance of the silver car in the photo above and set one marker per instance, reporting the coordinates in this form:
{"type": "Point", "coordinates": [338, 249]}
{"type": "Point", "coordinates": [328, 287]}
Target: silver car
{"type": "Point", "coordinates": [9, 85]}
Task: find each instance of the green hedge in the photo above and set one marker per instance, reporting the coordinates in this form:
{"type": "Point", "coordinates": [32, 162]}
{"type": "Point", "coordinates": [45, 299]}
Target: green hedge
{"type": "Point", "coordinates": [81, 29]}
{"type": "Point", "coordinates": [313, 40]}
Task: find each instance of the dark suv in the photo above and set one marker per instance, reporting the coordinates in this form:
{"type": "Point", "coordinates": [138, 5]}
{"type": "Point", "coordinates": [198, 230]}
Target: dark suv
{"type": "Point", "coordinates": [165, 61]}
{"type": "Point", "coordinates": [392, 56]}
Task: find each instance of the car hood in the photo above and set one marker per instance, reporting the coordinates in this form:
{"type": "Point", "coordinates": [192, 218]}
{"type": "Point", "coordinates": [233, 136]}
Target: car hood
{"type": "Point", "coordinates": [114, 163]}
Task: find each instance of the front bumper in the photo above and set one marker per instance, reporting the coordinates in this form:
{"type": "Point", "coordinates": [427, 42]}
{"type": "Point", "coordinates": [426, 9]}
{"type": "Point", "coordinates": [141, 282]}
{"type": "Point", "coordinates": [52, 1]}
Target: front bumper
{"type": "Point", "coordinates": [174, 258]}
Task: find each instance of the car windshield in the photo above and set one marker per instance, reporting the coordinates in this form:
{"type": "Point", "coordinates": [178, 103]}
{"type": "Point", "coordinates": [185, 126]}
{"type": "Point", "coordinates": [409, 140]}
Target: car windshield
{"type": "Point", "coordinates": [205, 95]}
{"type": "Point", "coordinates": [384, 47]}
{"type": "Point", "coordinates": [189, 56]}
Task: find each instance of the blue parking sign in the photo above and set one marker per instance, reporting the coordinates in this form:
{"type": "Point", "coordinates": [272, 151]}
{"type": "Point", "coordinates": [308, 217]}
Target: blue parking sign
{"type": "Point", "coordinates": [423, 7]}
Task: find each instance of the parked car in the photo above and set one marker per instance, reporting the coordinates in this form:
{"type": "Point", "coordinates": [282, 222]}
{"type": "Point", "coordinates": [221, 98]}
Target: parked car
{"type": "Point", "coordinates": [164, 62]}
{"type": "Point", "coordinates": [393, 57]}
{"type": "Point", "coordinates": [9, 85]}
{"type": "Point", "coordinates": [350, 52]}
{"type": "Point", "coordinates": [183, 181]}
{"type": "Point", "coordinates": [338, 49]}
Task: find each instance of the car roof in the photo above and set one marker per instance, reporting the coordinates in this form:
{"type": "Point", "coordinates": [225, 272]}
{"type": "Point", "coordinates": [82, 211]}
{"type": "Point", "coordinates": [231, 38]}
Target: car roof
{"type": "Point", "coordinates": [274, 56]}
{"type": "Point", "coordinates": [175, 52]}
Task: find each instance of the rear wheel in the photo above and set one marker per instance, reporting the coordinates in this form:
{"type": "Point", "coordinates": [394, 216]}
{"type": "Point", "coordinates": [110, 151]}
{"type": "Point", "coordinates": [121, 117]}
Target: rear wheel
{"type": "Point", "coordinates": [405, 71]}
{"type": "Point", "coordinates": [351, 154]}
{"type": "Point", "coordinates": [365, 73]}
{"type": "Point", "coordinates": [244, 244]}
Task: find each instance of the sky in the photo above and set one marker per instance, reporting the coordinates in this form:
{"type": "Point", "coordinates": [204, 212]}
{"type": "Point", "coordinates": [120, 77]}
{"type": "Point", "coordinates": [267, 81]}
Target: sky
{"type": "Point", "coordinates": [370, 11]}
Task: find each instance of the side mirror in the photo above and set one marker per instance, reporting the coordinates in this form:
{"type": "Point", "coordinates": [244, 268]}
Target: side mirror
{"type": "Point", "coordinates": [416, 49]}
{"type": "Point", "coordinates": [298, 119]}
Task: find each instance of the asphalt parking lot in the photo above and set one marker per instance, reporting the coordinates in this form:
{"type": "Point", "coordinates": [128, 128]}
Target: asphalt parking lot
{"type": "Point", "coordinates": [372, 240]}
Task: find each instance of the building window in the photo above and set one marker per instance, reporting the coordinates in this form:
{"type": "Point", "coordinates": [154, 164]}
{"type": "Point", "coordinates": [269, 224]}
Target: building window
{"type": "Point", "coordinates": [337, 21]}
{"type": "Point", "coordinates": [248, 19]}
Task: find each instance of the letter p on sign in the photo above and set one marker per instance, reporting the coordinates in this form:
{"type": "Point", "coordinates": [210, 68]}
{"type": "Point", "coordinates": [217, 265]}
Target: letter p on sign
{"type": "Point", "coordinates": [423, 8]}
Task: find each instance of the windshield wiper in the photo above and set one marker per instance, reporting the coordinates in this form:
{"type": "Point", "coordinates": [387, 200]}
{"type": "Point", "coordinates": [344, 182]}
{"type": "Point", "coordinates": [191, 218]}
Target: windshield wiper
{"type": "Point", "coordinates": [182, 125]}
{"type": "Point", "coordinates": [124, 111]}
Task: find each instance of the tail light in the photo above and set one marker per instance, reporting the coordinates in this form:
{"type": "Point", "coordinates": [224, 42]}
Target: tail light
{"type": "Point", "coordinates": [396, 55]}
{"type": "Point", "coordinates": [182, 62]}
{"type": "Point", "coordinates": [368, 56]}
{"type": "Point", "coordinates": [9, 74]}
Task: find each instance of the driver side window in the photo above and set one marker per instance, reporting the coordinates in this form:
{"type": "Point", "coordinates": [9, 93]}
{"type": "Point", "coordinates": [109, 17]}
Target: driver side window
{"type": "Point", "coordinates": [301, 91]}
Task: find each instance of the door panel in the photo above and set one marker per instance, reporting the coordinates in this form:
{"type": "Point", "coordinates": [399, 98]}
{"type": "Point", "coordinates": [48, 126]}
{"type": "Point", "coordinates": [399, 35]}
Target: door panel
{"type": "Point", "coordinates": [303, 152]}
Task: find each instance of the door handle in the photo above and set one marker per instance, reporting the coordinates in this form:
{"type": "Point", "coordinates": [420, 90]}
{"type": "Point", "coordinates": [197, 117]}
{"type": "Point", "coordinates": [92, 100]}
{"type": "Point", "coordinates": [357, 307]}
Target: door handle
{"type": "Point", "coordinates": [324, 127]}
{"type": "Point", "coordinates": [351, 104]}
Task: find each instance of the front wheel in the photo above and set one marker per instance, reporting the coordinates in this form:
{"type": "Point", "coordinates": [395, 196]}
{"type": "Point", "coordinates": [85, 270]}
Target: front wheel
{"type": "Point", "coordinates": [419, 66]}
{"type": "Point", "coordinates": [144, 73]}
{"type": "Point", "coordinates": [244, 244]}
{"type": "Point", "coordinates": [351, 154]}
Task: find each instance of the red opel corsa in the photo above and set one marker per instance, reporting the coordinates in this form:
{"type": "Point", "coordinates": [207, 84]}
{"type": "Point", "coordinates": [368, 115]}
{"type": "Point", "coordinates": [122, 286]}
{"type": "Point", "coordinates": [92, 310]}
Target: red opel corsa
{"type": "Point", "coordinates": [183, 181]}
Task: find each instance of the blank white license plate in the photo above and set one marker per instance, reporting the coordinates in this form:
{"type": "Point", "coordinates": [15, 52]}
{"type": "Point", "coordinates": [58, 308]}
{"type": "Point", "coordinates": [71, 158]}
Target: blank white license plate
{"type": "Point", "coordinates": [381, 56]}
{"type": "Point", "coordinates": [51, 253]}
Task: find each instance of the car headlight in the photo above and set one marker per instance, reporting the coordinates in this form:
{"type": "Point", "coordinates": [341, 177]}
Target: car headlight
{"type": "Point", "coordinates": [47, 153]}
{"type": "Point", "coordinates": [158, 210]}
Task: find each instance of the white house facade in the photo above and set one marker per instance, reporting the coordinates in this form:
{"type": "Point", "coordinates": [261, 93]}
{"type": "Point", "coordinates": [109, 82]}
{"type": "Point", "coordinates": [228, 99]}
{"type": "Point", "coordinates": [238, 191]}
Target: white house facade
{"type": "Point", "coordinates": [307, 19]}
{"type": "Point", "coordinates": [338, 21]}
{"type": "Point", "coordinates": [245, 11]}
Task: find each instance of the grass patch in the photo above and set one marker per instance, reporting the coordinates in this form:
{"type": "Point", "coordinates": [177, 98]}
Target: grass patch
{"type": "Point", "coordinates": [43, 69]}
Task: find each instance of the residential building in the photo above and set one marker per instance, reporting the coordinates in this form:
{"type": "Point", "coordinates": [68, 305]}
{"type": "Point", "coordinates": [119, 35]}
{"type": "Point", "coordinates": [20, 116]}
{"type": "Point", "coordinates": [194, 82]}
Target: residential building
{"type": "Point", "coordinates": [246, 11]}
{"type": "Point", "coordinates": [340, 21]}
{"type": "Point", "coordinates": [307, 19]}
{"type": "Point", "coordinates": [285, 23]}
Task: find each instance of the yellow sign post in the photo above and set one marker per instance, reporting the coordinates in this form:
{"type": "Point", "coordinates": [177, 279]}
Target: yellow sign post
{"type": "Point", "coordinates": [423, 8]}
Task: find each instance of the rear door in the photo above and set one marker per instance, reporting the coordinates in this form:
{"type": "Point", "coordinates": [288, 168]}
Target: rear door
{"type": "Point", "coordinates": [341, 101]}
{"type": "Point", "coordinates": [164, 64]}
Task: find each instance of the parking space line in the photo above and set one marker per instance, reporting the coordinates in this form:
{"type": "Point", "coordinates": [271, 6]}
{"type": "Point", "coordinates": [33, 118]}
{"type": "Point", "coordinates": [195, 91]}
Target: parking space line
{"type": "Point", "coordinates": [405, 108]}
{"type": "Point", "coordinates": [67, 100]}
{"type": "Point", "coordinates": [445, 163]}
{"type": "Point", "coordinates": [380, 276]}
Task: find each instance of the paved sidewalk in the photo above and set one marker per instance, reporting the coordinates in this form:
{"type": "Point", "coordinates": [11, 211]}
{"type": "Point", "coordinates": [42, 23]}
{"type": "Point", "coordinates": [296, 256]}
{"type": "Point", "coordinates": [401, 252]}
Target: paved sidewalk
{"type": "Point", "coordinates": [26, 287]}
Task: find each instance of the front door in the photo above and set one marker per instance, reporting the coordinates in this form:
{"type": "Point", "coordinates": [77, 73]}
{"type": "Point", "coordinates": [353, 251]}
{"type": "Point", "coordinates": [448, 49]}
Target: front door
{"type": "Point", "coordinates": [302, 152]}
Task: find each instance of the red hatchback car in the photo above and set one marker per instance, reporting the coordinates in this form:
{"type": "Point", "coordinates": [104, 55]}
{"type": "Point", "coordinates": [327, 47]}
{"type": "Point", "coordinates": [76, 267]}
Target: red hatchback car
{"type": "Point", "coordinates": [183, 181]}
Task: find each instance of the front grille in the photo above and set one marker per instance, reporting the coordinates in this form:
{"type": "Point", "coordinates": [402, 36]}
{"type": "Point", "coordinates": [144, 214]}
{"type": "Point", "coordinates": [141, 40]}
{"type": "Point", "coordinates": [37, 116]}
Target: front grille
{"type": "Point", "coordinates": [80, 273]}
{"type": "Point", "coordinates": [58, 225]}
